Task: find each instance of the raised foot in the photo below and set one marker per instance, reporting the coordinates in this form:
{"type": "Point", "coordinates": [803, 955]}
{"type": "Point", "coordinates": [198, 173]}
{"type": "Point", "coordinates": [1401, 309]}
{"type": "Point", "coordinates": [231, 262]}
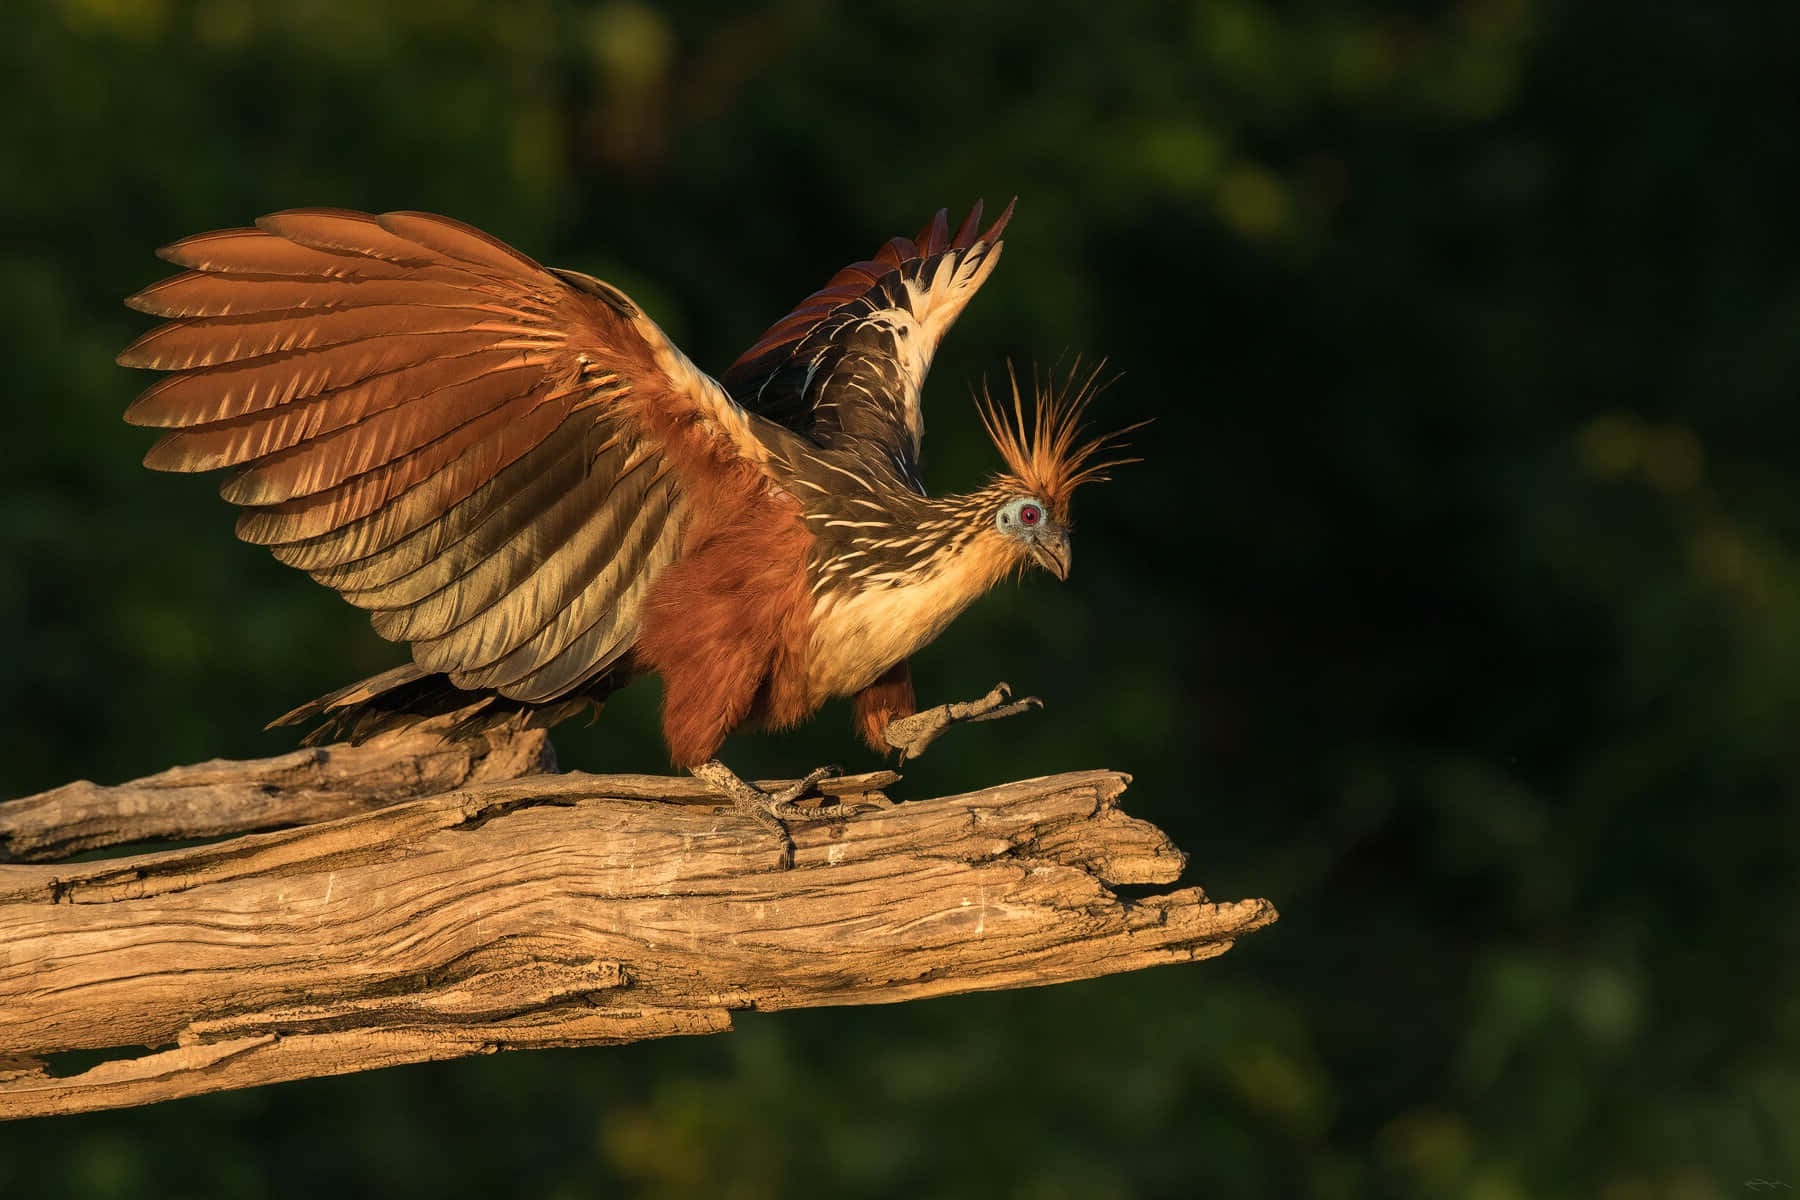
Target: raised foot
{"type": "Point", "coordinates": [911, 735]}
{"type": "Point", "coordinates": [772, 810]}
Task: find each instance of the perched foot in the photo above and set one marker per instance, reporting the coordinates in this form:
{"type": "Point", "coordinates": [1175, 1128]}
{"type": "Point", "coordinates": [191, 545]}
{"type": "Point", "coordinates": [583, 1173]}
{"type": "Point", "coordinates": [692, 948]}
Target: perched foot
{"type": "Point", "coordinates": [910, 735]}
{"type": "Point", "coordinates": [771, 810]}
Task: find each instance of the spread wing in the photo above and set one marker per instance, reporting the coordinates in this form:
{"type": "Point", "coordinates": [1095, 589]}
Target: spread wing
{"type": "Point", "coordinates": [487, 455]}
{"type": "Point", "coordinates": [848, 364]}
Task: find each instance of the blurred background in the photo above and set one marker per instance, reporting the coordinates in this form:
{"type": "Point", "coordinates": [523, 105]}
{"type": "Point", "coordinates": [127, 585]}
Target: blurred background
{"type": "Point", "coordinates": [1456, 608]}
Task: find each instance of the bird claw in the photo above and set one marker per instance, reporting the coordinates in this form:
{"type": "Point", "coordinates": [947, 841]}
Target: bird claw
{"type": "Point", "coordinates": [911, 735]}
{"type": "Point", "coordinates": [773, 810]}
{"type": "Point", "coordinates": [784, 804]}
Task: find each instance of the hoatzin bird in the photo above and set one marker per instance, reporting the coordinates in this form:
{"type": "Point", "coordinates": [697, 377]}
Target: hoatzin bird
{"type": "Point", "coordinates": [515, 471]}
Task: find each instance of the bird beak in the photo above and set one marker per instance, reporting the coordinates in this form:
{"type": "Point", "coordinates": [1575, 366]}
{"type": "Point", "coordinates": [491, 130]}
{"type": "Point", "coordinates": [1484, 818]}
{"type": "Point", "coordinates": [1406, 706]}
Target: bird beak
{"type": "Point", "coordinates": [1052, 553]}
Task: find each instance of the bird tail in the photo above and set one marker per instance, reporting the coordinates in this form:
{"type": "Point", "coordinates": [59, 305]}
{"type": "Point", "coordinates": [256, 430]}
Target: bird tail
{"type": "Point", "coordinates": [408, 696]}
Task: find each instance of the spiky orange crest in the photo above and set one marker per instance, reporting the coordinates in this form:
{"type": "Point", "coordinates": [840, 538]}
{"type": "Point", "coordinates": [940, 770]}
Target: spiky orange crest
{"type": "Point", "coordinates": [1047, 452]}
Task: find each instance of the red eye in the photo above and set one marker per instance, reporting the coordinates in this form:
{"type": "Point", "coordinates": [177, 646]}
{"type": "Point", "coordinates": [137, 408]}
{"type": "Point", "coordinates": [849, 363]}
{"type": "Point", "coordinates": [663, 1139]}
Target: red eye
{"type": "Point", "coordinates": [1030, 514]}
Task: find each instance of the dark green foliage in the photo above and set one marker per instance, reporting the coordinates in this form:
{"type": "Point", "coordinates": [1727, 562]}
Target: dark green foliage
{"type": "Point", "coordinates": [1456, 608]}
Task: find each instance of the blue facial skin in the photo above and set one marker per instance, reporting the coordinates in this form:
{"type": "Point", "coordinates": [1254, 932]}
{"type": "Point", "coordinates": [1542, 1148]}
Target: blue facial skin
{"type": "Point", "coordinates": [1029, 520]}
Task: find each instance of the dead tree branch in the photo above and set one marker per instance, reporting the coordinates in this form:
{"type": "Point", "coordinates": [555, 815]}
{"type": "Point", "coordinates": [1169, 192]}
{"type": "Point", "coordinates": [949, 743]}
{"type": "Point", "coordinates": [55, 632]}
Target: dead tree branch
{"type": "Point", "coordinates": [502, 913]}
{"type": "Point", "coordinates": [211, 799]}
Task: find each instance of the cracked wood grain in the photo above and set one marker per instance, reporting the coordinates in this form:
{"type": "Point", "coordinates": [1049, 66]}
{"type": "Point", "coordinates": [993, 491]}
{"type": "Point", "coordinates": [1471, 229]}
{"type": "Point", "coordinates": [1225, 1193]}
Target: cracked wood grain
{"type": "Point", "coordinates": [561, 910]}
{"type": "Point", "coordinates": [224, 796]}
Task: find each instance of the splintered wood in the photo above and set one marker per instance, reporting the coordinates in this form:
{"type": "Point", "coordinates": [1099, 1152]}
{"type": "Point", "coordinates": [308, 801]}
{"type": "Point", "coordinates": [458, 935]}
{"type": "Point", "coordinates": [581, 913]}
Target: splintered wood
{"type": "Point", "coordinates": [504, 913]}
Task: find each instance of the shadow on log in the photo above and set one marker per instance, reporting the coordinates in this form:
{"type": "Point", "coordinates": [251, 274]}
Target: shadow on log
{"type": "Point", "coordinates": [481, 912]}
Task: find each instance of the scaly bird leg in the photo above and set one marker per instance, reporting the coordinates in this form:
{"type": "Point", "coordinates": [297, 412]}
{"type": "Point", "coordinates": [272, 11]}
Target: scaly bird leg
{"type": "Point", "coordinates": [910, 735]}
{"type": "Point", "coordinates": [771, 810]}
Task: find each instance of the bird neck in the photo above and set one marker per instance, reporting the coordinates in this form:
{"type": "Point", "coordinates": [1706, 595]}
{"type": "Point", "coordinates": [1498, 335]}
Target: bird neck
{"type": "Point", "coordinates": [887, 586]}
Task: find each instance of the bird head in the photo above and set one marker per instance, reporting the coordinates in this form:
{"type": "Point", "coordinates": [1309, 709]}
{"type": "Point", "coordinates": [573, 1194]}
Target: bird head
{"type": "Point", "coordinates": [1029, 522]}
{"type": "Point", "coordinates": [1047, 457]}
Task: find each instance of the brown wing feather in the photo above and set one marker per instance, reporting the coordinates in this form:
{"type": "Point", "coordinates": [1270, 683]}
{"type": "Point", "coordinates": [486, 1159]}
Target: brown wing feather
{"type": "Point", "coordinates": [469, 454]}
{"type": "Point", "coordinates": [234, 440]}
{"type": "Point", "coordinates": [561, 652]}
{"type": "Point", "coordinates": [609, 632]}
{"type": "Point", "coordinates": [183, 345]}
{"type": "Point", "coordinates": [594, 511]}
{"type": "Point", "coordinates": [204, 294]}
{"type": "Point", "coordinates": [487, 455]}
{"type": "Point", "coordinates": [487, 523]}
{"type": "Point", "coordinates": [329, 458]}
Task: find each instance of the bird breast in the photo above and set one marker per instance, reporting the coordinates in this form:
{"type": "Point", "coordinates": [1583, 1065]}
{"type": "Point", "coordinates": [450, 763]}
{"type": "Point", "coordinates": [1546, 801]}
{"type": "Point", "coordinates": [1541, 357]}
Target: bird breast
{"type": "Point", "coordinates": [860, 631]}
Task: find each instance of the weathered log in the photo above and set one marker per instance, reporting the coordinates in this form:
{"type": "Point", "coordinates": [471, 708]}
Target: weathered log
{"type": "Point", "coordinates": [553, 910]}
{"type": "Point", "coordinates": [224, 796]}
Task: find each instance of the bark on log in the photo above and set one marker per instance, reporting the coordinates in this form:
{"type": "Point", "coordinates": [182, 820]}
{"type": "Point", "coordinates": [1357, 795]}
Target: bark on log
{"type": "Point", "coordinates": [550, 910]}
